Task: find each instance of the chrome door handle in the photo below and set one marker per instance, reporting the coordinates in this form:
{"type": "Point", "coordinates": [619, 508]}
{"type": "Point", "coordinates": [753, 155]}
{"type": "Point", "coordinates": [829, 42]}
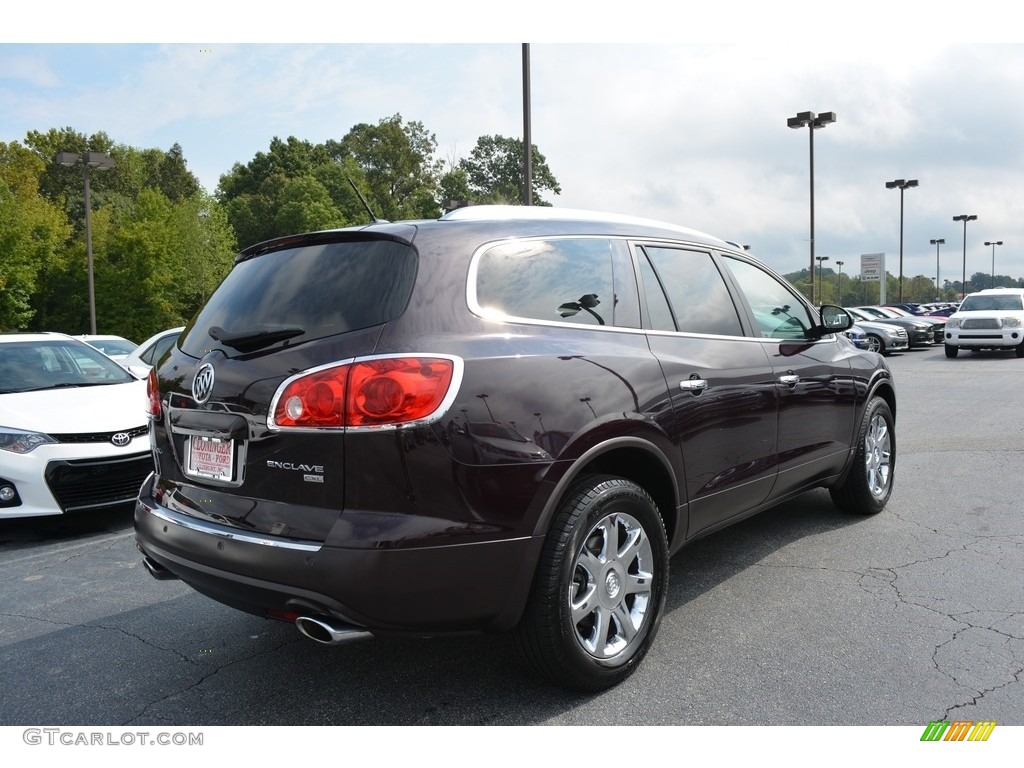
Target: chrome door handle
{"type": "Point", "coordinates": [693, 385]}
{"type": "Point", "coordinates": [790, 380]}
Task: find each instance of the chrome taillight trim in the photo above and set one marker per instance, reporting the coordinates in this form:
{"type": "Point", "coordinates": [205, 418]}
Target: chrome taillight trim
{"type": "Point", "coordinates": [458, 368]}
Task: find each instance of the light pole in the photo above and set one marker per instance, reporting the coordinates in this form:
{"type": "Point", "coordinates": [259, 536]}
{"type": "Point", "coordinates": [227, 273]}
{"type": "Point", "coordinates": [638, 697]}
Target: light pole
{"type": "Point", "coordinates": [101, 163]}
{"type": "Point", "coordinates": [527, 138]}
{"type": "Point", "coordinates": [812, 121]}
{"type": "Point", "coordinates": [839, 289]}
{"type": "Point", "coordinates": [993, 243]}
{"type": "Point", "coordinates": [901, 185]}
{"type": "Point", "coordinates": [937, 242]}
{"type": "Point", "coordinates": [965, 217]}
{"type": "Point", "coordinates": [818, 259]}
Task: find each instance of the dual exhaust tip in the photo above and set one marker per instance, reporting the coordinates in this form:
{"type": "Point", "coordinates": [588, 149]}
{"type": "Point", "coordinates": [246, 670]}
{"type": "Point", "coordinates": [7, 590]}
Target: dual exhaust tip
{"type": "Point", "coordinates": [321, 629]}
{"type": "Point", "coordinates": [330, 632]}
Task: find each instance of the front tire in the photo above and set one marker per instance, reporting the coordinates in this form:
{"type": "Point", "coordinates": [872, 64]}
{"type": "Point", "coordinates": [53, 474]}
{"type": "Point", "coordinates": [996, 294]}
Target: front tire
{"type": "Point", "coordinates": [951, 351]}
{"type": "Point", "coordinates": [875, 344]}
{"type": "Point", "coordinates": [867, 487]}
{"type": "Point", "coordinates": [600, 587]}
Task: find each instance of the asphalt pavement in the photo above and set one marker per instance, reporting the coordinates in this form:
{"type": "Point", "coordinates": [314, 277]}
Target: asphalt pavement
{"type": "Point", "coordinates": [800, 616]}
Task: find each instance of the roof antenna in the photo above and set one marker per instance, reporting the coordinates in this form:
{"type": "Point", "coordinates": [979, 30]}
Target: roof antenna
{"type": "Point", "coordinates": [366, 205]}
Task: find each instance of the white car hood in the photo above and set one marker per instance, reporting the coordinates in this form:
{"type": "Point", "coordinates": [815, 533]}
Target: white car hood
{"type": "Point", "coordinates": [101, 408]}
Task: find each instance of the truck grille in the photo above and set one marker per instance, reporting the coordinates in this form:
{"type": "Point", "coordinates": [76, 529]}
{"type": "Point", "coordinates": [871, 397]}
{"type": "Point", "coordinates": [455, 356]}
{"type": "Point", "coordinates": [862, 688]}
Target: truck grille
{"type": "Point", "coordinates": [980, 323]}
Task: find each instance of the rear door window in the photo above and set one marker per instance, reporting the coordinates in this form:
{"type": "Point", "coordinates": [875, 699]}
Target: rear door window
{"type": "Point", "coordinates": [697, 294]}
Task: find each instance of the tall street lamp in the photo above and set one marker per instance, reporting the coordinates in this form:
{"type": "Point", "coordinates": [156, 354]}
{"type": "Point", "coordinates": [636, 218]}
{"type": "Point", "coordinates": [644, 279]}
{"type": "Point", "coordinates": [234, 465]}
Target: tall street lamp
{"type": "Point", "coordinates": [937, 242]}
{"type": "Point", "coordinates": [839, 289]}
{"type": "Point", "coordinates": [965, 217]}
{"type": "Point", "coordinates": [812, 121]}
{"type": "Point", "coordinates": [901, 185]}
{"type": "Point", "coordinates": [819, 259]}
{"type": "Point", "coordinates": [993, 243]}
{"type": "Point", "coordinates": [101, 163]}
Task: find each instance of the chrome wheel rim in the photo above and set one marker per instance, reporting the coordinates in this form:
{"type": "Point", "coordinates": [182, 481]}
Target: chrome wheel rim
{"type": "Point", "coordinates": [611, 587]}
{"type": "Point", "coordinates": [874, 345]}
{"type": "Point", "coordinates": [878, 456]}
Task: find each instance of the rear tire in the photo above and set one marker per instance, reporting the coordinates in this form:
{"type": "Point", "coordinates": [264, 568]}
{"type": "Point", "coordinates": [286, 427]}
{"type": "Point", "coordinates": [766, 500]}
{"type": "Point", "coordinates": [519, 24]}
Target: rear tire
{"type": "Point", "coordinates": [1019, 349]}
{"type": "Point", "coordinates": [600, 587]}
{"type": "Point", "coordinates": [951, 351]}
{"type": "Point", "coordinates": [867, 487]}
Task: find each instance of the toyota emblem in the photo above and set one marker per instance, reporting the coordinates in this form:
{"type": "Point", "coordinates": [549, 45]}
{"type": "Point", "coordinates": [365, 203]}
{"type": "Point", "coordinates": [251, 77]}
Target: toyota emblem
{"type": "Point", "coordinates": [120, 439]}
{"type": "Point", "coordinates": [202, 384]}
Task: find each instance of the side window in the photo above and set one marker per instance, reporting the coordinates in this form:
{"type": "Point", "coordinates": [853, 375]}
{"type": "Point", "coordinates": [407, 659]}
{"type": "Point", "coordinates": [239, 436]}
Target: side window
{"type": "Point", "coordinates": [568, 281]}
{"type": "Point", "coordinates": [154, 353]}
{"type": "Point", "coordinates": [778, 313]}
{"type": "Point", "coordinates": [696, 291]}
{"type": "Point", "coordinates": [659, 314]}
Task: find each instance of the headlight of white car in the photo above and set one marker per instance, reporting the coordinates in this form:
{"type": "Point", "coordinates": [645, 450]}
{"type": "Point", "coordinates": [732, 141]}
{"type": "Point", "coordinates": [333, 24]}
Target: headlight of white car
{"type": "Point", "coordinates": [953, 322]}
{"type": "Point", "coordinates": [1011, 322]}
{"type": "Point", "coordinates": [21, 441]}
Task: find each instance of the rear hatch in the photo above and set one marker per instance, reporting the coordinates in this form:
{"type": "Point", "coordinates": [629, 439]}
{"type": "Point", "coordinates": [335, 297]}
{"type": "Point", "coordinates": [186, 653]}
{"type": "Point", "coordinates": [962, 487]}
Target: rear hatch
{"type": "Point", "coordinates": [287, 307]}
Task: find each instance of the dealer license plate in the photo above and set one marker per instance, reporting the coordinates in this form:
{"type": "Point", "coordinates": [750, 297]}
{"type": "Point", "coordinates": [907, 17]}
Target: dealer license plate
{"type": "Point", "coordinates": [211, 457]}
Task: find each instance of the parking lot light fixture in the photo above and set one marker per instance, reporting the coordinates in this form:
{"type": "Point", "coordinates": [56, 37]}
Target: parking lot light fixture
{"type": "Point", "coordinates": [937, 242]}
{"type": "Point", "coordinates": [993, 243]}
{"type": "Point", "coordinates": [965, 217]}
{"type": "Point", "coordinates": [813, 122]}
{"type": "Point", "coordinates": [99, 162]}
{"type": "Point", "coordinates": [901, 185]}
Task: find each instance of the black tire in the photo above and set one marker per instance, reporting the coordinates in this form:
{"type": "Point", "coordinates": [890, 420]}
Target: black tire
{"type": "Point", "coordinates": [594, 609]}
{"type": "Point", "coordinates": [867, 487]}
{"type": "Point", "coordinates": [875, 344]}
{"type": "Point", "coordinates": [1019, 349]}
{"type": "Point", "coordinates": [951, 351]}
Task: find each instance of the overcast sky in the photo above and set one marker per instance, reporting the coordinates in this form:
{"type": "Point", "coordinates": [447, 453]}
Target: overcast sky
{"type": "Point", "coordinates": [662, 125]}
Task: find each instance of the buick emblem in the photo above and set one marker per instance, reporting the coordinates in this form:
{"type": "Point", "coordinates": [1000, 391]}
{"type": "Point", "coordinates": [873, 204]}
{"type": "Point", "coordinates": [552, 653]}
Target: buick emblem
{"type": "Point", "coordinates": [202, 384]}
{"type": "Point", "coordinates": [120, 439]}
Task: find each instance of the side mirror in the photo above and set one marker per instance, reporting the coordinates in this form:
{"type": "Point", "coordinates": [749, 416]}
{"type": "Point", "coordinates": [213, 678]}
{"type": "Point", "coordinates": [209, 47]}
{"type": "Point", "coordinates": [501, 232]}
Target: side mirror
{"type": "Point", "coordinates": [835, 319]}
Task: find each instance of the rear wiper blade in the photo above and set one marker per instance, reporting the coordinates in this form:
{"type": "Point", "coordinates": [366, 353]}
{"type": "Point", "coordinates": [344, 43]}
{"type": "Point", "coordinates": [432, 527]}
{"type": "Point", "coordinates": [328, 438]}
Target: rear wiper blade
{"type": "Point", "coordinates": [249, 341]}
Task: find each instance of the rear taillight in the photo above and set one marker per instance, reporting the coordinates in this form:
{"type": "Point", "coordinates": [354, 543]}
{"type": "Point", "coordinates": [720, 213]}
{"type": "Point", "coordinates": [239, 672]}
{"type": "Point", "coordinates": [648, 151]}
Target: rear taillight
{"type": "Point", "coordinates": [153, 393]}
{"type": "Point", "coordinates": [375, 392]}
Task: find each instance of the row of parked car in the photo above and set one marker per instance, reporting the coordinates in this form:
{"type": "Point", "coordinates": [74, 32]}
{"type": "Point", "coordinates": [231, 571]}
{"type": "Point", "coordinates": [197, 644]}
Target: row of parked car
{"type": "Point", "coordinates": [891, 329]}
{"type": "Point", "coordinates": [83, 400]}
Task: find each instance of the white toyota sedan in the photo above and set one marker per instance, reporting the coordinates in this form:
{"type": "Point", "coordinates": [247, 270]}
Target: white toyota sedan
{"type": "Point", "coordinates": [73, 430]}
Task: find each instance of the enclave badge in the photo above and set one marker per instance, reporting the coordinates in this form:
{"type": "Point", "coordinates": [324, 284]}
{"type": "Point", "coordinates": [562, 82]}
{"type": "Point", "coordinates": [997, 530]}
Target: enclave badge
{"type": "Point", "coordinates": [202, 384]}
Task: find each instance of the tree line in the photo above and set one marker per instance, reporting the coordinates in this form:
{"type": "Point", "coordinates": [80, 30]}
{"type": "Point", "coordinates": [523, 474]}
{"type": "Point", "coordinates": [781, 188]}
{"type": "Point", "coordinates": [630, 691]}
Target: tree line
{"type": "Point", "coordinates": [918, 289]}
{"type": "Point", "coordinates": [161, 243]}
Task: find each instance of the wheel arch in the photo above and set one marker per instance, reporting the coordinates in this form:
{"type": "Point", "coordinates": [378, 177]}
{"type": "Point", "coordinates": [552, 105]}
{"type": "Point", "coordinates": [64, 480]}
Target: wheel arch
{"type": "Point", "coordinates": [631, 458]}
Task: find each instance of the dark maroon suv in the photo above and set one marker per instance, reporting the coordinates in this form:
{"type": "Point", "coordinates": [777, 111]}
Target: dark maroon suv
{"type": "Point", "coordinates": [503, 419]}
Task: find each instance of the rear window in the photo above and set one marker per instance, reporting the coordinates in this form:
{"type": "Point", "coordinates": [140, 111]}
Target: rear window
{"type": "Point", "coordinates": [300, 294]}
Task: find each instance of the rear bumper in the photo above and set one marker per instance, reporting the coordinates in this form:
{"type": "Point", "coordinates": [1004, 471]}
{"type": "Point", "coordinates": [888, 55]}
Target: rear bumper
{"type": "Point", "coordinates": [421, 590]}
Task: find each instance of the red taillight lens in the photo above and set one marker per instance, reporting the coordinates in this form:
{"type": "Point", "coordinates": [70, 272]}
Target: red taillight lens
{"type": "Point", "coordinates": [377, 392]}
{"type": "Point", "coordinates": [153, 393]}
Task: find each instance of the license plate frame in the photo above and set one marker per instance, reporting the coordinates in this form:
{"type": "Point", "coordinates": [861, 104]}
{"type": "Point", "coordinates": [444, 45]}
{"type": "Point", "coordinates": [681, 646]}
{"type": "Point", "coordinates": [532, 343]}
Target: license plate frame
{"type": "Point", "coordinates": [210, 458]}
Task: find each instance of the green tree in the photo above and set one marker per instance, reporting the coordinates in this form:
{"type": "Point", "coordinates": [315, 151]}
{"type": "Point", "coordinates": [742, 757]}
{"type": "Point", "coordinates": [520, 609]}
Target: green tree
{"type": "Point", "coordinates": [494, 172]}
{"type": "Point", "coordinates": [32, 231]}
{"type": "Point", "coordinates": [398, 164]}
{"type": "Point", "coordinates": [306, 206]}
{"type": "Point", "coordinates": [269, 195]}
